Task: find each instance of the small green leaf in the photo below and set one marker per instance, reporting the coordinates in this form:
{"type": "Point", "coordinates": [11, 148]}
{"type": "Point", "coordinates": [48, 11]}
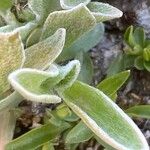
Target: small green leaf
{"type": "Point", "coordinates": [139, 36]}
{"type": "Point", "coordinates": [79, 133]}
{"type": "Point", "coordinates": [42, 54]}
{"type": "Point", "coordinates": [141, 111]}
{"type": "Point", "coordinates": [110, 85]}
{"type": "Point", "coordinates": [36, 137]}
{"type": "Point", "coordinates": [104, 117]}
{"type": "Point", "coordinates": [72, 20]}
{"type": "Point", "coordinates": [5, 4]}
{"type": "Point", "coordinates": [11, 57]}
{"type": "Point", "coordinates": [103, 12]}
{"type": "Point", "coordinates": [139, 63]}
{"type": "Point", "coordinates": [146, 54]}
{"type": "Point", "coordinates": [68, 4]}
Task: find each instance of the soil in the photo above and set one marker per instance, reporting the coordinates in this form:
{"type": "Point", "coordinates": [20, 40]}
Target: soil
{"type": "Point", "coordinates": [135, 91]}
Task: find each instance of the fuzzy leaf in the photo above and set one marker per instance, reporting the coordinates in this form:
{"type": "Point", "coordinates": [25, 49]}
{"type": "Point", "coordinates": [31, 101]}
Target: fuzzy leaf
{"type": "Point", "coordinates": [7, 127]}
{"type": "Point", "coordinates": [28, 83]}
{"type": "Point", "coordinates": [68, 4]}
{"type": "Point", "coordinates": [42, 54]}
{"type": "Point", "coordinates": [79, 133]}
{"type": "Point", "coordinates": [70, 73]}
{"type": "Point", "coordinates": [11, 57]}
{"type": "Point", "coordinates": [141, 111]}
{"type": "Point", "coordinates": [36, 137]}
{"type": "Point", "coordinates": [84, 43]}
{"type": "Point", "coordinates": [10, 101]}
{"type": "Point", "coordinates": [104, 117]}
{"type": "Point", "coordinates": [42, 8]}
{"type": "Point", "coordinates": [72, 20]}
{"type": "Point", "coordinates": [103, 12]}
{"type": "Point", "coordinates": [110, 85]}
{"type": "Point", "coordinates": [67, 75]}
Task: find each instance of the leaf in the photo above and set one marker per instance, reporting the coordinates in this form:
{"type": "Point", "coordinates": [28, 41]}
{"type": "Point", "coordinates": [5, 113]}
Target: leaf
{"type": "Point", "coordinates": [104, 117]}
{"type": "Point", "coordinates": [79, 133]}
{"type": "Point", "coordinates": [139, 36]}
{"type": "Point", "coordinates": [36, 137]}
{"type": "Point", "coordinates": [28, 83]}
{"type": "Point", "coordinates": [112, 84]}
{"type": "Point", "coordinates": [10, 101]}
{"type": "Point", "coordinates": [84, 43]}
{"type": "Point", "coordinates": [34, 37]}
{"type": "Point", "coordinates": [11, 57]}
{"type": "Point", "coordinates": [7, 127]}
{"type": "Point", "coordinates": [141, 111]}
{"type": "Point", "coordinates": [128, 37]}
{"type": "Point", "coordinates": [42, 8]}
{"type": "Point", "coordinates": [139, 63]}
{"type": "Point", "coordinates": [103, 12]}
{"type": "Point", "coordinates": [42, 54]}
{"type": "Point", "coordinates": [72, 20]}
{"type": "Point", "coordinates": [69, 74]}
{"type": "Point", "coordinates": [68, 4]}
{"type": "Point", "coordinates": [5, 4]}
{"type": "Point", "coordinates": [86, 68]}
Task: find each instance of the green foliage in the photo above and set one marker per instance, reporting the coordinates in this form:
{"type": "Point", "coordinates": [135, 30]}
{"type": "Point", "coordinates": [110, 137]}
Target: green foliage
{"type": "Point", "coordinates": [137, 52]}
{"type": "Point", "coordinates": [142, 111]}
{"type": "Point", "coordinates": [30, 43]}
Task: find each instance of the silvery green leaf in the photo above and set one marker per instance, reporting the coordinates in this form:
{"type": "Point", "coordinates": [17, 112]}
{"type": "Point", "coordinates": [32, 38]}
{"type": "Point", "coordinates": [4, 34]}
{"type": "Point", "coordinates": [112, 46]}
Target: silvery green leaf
{"type": "Point", "coordinates": [42, 54]}
{"type": "Point", "coordinates": [68, 4]}
{"type": "Point", "coordinates": [103, 12]}
{"type": "Point", "coordinates": [7, 127]}
{"type": "Point", "coordinates": [10, 101]}
{"type": "Point", "coordinates": [104, 117]}
{"type": "Point", "coordinates": [28, 82]}
{"type": "Point", "coordinates": [42, 8]}
{"type": "Point", "coordinates": [11, 57]}
{"type": "Point", "coordinates": [72, 20]}
{"type": "Point", "coordinates": [84, 43]}
{"type": "Point", "coordinates": [67, 75]}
